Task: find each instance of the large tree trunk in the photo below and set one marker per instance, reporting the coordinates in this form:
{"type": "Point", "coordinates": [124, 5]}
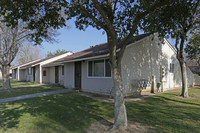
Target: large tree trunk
{"type": "Point", "coordinates": [184, 92]}
{"type": "Point", "coordinates": [6, 77]}
{"type": "Point", "coordinates": [120, 108]}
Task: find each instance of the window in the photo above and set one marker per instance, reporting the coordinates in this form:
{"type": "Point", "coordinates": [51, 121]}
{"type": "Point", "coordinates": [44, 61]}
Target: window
{"type": "Point", "coordinates": [99, 68]}
{"type": "Point", "coordinates": [44, 73]}
{"type": "Point", "coordinates": [108, 69]}
{"type": "Point", "coordinates": [63, 70]}
{"type": "Point", "coordinates": [171, 68]}
{"type": "Point", "coordinates": [29, 71]}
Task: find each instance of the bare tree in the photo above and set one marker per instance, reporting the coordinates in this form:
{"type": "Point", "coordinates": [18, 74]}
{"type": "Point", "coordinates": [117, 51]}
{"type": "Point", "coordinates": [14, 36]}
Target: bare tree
{"type": "Point", "coordinates": [11, 39]}
{"type": "Point", "coordinates": [27, 53]}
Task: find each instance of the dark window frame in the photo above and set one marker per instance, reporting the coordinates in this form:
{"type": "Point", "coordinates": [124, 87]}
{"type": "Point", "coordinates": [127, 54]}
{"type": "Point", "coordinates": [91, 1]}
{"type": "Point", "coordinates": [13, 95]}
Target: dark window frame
{"type": "Point", "coordinates": [107, 72]}
{"type": "Point", "coordinates": [63, 70]}
{"type": "Point", "coordinates": [171, 70]}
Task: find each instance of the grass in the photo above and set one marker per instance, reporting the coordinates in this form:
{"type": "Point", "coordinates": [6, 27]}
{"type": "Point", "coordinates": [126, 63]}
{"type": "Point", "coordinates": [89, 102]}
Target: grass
{"type": "Point", "coordinates": [24, 91]}
{"type": "Point", "coordinates": [66, 113]}
{"type": "Point", "coordinates": [15, 83]}
{"type": "Point", "coordinates": [168, 112]}
{"type": "Point", "coordinates": [20, 90]}
{"type": "Point", "coordinates": [58, 113]}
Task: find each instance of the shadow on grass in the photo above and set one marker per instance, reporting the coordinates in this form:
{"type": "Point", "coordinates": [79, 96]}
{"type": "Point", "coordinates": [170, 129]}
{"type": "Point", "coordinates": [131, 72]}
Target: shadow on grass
{"type": "Point", "coordinates": [75, 113]}
{"type": "Point", "coordinates": [58, 113]}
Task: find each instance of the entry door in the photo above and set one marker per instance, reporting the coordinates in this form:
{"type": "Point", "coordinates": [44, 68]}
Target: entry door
{"type": "Point", "coordinates": [33, 73]}
{"type": "Point", "coordinates": [78, 74]}
{"type": "Point", "coordinates": [56, 74]}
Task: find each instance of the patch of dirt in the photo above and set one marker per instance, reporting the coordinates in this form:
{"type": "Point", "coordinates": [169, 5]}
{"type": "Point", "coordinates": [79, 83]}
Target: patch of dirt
{"type": "Point", "coordinates": [106, 98]}
{"type": "Point", "coordinates": [104, 126]}
{"type": "Point", "coordinates": [94, 96]}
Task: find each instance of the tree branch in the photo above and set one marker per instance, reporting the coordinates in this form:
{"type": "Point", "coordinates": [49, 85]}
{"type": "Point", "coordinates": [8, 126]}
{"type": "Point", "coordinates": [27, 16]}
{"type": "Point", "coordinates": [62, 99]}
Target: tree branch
{"type": "Point", "coordinates": [138, 18]}
{"type": "Point", "coordinates": [87, 14]}
{"type": "Point", "coordinates": [109, 27]}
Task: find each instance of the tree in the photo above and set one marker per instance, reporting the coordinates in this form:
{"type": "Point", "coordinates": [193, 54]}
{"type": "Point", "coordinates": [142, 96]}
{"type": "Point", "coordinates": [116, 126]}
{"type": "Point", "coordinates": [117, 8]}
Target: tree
{"type": "Point", "coordinates": [11, 39]}
{"type": "Point", "coordinates": [27, 53]}
{"type": "Point", "coordinates": [57, 52]}
{"type": "Point", "coordinates": [120, 21]}
{"type": "Point", "coordinates": [193, 47]}
{"type": "Point", "coordinates": [178, 21]}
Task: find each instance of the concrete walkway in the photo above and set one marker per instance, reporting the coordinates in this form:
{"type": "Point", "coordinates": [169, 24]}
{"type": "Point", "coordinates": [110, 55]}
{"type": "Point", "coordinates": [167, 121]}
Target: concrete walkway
{"type": "Point", "coordinates": [34, 95]}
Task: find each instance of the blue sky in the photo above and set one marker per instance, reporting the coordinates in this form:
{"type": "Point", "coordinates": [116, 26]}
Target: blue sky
{"type": "Point", "coordinates": [75, 40]}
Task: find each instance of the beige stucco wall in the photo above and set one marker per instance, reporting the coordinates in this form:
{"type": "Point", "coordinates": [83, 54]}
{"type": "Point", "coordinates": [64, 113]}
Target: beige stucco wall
{"type": "Point", "coordinates": [143, 59]}
{"type": "Point", "coordinates": [52, 75]}
{"type": "Point", "coordinates": [95, 84]}
{"type": "Point", "coordinates": [22, 75]}
{"type": "Point", "coordinates": [196, 80]}
{"type": "Point", "coordinates": [168, 56]}
{"type": "Point", "coordinates": [69, 75]}
{"type": "Point", "coordinates": [46, 79]}
{"type": "Point", "coordinates": [190, 77]}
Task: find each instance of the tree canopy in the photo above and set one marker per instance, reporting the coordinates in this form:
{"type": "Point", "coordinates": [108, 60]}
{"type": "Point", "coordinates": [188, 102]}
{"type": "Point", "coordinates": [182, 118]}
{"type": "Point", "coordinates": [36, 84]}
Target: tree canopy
{"type": "Point", "coordinates": [193, 48]}
{"type": "Point", "coordinates": [39, 16]}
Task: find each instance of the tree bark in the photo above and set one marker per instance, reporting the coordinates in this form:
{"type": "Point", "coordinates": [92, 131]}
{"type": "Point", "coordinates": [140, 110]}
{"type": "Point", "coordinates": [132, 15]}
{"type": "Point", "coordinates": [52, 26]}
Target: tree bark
{"type": "Point", "coordinates": [6, 77]}
{"type": "Point", "coordinates": [120, 108]}
{"type": "Point", "coordinates": [184, 92]}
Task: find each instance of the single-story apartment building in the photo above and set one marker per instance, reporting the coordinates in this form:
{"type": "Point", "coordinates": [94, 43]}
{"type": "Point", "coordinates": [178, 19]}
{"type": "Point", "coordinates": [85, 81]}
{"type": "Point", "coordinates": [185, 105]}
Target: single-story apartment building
{"type": "Point", "coordinates": [145, 60]}
{"type": "Point", "coordinates": [54, 73]}
{"type": "Point", "coordinates": [19, 74]}
{"type": "Point", "coordinates": [33, 71]}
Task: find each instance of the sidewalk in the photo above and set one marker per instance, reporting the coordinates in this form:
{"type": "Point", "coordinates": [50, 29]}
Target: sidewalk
{"type": "Point", "coordinates": [34, 95]}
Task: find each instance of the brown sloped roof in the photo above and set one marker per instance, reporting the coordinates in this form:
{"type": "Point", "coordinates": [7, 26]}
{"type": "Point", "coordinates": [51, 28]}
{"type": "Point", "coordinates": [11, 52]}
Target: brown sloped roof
{"type": "Point", "coordinates": [101, 49]}
{"type": "Point", "coordinates": [47, 58]}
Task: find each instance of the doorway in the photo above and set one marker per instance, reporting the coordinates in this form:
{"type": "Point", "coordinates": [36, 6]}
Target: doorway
{"type": "Point", "coordinates": [33, 74]}
{"type": "Point", "coordinates": [78, 75]}
{"type": "Point", "coordinates": [56, 74]}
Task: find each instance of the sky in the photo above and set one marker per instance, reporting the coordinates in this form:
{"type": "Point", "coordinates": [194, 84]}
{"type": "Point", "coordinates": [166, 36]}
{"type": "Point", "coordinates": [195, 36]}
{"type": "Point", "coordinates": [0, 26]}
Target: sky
{"type": "Point", "coordinates": [73, 39]}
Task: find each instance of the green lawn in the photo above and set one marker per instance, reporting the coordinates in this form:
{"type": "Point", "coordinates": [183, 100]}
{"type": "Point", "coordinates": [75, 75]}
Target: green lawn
{"type": "Point", "coordinates": [15, 83]}
{"type": "Point", "coordinates": [168, 113]}
{"type": "Point", "coordinates": [24, 90]}
{"type": "Point", "coordinates": [65, 113]}
{"type": "Point", "coordinates": [56, 113]}
{"type": "Point", "coordinates": [20, 90]}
